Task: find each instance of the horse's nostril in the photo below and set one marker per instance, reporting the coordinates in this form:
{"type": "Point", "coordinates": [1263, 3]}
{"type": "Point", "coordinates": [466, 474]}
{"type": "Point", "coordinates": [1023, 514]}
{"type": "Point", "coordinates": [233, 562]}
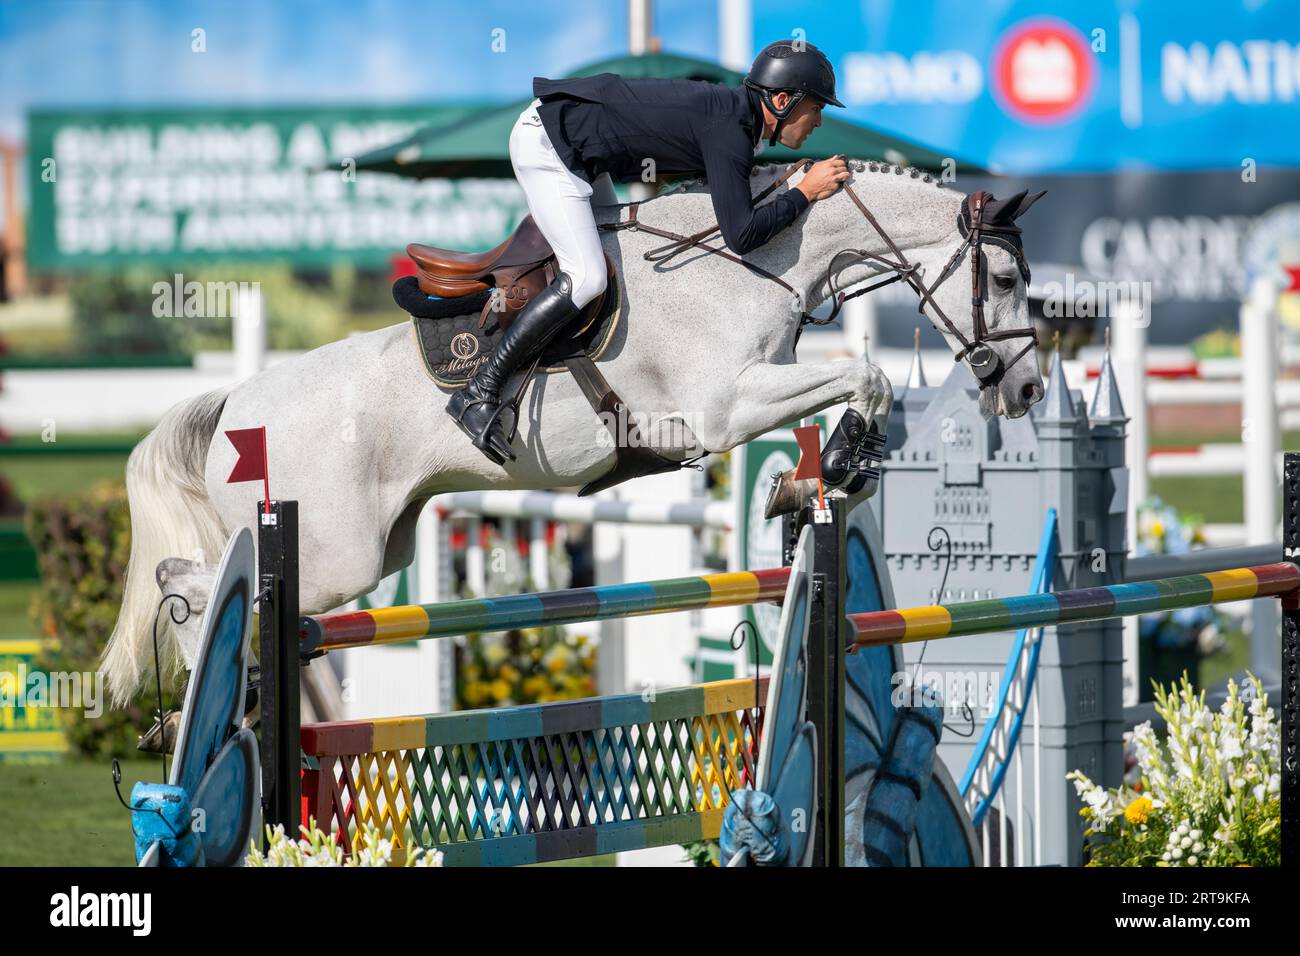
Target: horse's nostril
{"type": "Point", "coordinates": [1030, 392]}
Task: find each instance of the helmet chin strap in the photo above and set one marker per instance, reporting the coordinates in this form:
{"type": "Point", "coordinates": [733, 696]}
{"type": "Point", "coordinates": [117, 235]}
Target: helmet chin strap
{"type": "Point", "coordinates": [796, 97]}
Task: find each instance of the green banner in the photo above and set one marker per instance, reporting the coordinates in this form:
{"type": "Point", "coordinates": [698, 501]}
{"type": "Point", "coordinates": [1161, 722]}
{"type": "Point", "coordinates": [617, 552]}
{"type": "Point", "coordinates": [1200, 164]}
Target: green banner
{"type": "Point", "coordinates": [117, 187]}
{"type": "Point", "coordinates": [28, 734]}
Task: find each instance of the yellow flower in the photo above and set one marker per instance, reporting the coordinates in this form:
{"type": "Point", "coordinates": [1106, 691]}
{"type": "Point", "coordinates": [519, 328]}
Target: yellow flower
{"type": "Point", "coordinates": [1158, 528]}
{"type": "Point", "coordinates": [1138, 811]}
{"type": "Point", "coordinates": [535, 686]}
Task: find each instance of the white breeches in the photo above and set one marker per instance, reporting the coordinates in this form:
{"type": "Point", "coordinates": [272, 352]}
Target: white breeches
{"type": "Point", "coordinates": [560, 202]}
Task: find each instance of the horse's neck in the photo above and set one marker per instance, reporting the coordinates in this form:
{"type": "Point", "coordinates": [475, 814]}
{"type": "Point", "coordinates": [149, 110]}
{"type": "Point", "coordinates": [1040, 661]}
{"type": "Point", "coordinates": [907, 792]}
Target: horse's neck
{"type": "Point", "coordinates": [913, 213]}
{"type": "Point", "coordinates": [914, 216]}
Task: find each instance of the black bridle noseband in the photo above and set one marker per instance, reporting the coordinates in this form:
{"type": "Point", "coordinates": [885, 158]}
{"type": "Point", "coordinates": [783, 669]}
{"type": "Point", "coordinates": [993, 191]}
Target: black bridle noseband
{"type": "Point", "coordinates": [983, 360]}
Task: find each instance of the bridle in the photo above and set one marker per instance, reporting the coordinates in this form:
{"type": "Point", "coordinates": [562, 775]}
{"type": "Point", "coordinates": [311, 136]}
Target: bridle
{"type": "Point", "coordinates": [984, 362]}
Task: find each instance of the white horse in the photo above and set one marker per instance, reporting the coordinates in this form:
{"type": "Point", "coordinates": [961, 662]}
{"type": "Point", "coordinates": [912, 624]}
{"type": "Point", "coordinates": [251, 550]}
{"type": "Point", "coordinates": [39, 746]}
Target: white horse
{"type": "Point", "coordinates": [356, 430]}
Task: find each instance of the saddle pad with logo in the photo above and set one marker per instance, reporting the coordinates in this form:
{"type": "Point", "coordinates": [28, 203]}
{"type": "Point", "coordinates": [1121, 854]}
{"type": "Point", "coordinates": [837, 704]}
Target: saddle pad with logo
{"type": "Point", "coordinates": [453, 346]}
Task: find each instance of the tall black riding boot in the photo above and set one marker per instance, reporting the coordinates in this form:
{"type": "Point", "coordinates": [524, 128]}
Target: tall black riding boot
{"type": "Point", "coordinates": [477, 407]}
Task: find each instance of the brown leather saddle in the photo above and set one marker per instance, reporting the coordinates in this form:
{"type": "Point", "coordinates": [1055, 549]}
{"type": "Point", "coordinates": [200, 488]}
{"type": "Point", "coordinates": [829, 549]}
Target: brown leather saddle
{"type": "Point", "coordinates": [513, 272]}
{"type": "Point", "coordinates": [451, 286]}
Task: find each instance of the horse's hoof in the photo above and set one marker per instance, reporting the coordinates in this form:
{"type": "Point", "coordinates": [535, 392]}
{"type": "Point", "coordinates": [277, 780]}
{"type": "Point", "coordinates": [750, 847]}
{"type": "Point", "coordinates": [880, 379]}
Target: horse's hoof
{"type": "Point", "coordinates": [161, 737]}
{"type": "Point", "coordinates": [786, 496]}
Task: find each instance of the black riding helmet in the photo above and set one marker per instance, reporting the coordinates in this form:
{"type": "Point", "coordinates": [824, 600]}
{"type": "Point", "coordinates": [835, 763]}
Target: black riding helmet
{"type": "Point", "coordinates": [799, 69]}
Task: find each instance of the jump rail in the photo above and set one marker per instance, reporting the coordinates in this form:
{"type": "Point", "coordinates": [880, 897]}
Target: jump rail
{"type": "Point", "coordinates": [566, 779]}
{"type": "Point", "coordinates": [391, 625]}
{"type": "Point", "coordinates": [1064, 607]}
{"type": "Point", "coordinates": [551, 506]}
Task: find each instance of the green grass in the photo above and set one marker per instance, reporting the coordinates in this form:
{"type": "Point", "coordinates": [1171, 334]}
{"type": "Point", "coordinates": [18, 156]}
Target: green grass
{"type": "Point", "coordinates": [45, 472]}
{"type": "Point", "coordinates": [1215, 499]}
{"type": "Point", "coordinates": [66, 814]}
{"type": "Point", "coordinates": [1228, 662]}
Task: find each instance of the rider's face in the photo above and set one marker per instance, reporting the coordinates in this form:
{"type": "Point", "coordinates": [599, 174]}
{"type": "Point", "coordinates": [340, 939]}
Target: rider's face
{"type": "Point", "coordinates": [807, 116]}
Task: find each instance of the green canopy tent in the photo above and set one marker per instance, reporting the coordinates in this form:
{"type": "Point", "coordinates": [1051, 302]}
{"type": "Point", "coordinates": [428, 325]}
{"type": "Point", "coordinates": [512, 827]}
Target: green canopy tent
{"type": "Point", "coordinates": [479, 145]}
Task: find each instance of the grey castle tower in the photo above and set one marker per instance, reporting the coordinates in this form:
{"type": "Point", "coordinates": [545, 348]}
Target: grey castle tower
{"type": "Point", "coordinates": [988, 484]}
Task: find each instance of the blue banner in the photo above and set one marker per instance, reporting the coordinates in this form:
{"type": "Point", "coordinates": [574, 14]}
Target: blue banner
{"type": "Point", "coordinates": [1027, 87]}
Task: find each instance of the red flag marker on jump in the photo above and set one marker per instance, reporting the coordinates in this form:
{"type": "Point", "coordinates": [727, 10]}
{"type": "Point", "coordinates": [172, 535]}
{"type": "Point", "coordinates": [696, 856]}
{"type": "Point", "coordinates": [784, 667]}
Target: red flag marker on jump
{"type": "Point", "coordinates": [251, 464]}
{"type": "Point", "coordinates": [808, 438]}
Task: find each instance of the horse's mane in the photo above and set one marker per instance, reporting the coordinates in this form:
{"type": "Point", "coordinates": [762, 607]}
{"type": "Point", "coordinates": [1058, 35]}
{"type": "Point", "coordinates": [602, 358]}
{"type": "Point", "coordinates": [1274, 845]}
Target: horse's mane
{"type": "Point", "coordinates": [761, 176]}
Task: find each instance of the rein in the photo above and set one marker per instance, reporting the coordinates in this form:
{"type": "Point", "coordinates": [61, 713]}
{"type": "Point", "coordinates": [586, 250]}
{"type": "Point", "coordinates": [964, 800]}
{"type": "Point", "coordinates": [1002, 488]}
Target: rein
{"type": "Point", "coordinates": [681, 243]}
{"type": "Point", "coordinates": [984, 362]}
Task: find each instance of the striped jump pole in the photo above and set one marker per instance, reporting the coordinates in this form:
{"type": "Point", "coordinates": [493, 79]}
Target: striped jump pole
{"type": "Point", "coordinates": [326, 632]}
{"type": "Point", "coordinates": [1065, 607]}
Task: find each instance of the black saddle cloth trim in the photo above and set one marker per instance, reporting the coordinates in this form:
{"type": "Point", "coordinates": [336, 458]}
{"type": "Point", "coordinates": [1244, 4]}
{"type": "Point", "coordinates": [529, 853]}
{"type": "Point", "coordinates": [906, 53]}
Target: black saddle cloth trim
{"type": "Point", "coordinates": [453, 346]}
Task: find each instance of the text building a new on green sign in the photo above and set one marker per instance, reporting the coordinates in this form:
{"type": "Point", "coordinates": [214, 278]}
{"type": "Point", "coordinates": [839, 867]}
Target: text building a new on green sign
{"type": "Point", "coordinates": [114, 188]}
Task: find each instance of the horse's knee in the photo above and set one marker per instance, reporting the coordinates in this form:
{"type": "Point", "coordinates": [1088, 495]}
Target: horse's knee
{"type": "Point", "coordinates": [881, 388]}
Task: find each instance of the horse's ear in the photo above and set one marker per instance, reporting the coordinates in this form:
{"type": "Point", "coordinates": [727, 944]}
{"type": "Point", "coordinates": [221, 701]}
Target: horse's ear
{"type": "Point", "coordinates": [1002, 210]}
{"type": "Point", "coordinates": [1025, 202]}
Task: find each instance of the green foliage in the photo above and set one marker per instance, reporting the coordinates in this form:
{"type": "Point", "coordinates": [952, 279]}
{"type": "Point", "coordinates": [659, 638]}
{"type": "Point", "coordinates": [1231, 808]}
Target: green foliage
{"type": "Point", "coordinates": [112, 314]}
{"type": "Point", "coordinates": [1209, 794]}
{"type": "Point", "coordinates": [300, 314]}
{"type": "Point", "coordinates": [703, 853]}
{"type": "Point", "coordinates": [1220, 343]}
{"type": "Point", "coordinates": [82, 544]}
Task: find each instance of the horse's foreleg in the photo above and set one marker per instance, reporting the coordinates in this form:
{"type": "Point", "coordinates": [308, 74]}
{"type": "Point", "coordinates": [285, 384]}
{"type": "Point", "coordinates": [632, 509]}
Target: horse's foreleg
{"type": "Point", "coordinates": [768, 395]}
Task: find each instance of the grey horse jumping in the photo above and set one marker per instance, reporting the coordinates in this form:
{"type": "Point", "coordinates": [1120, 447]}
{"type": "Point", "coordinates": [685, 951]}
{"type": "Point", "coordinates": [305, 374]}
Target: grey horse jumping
{"type": "Point", "coordinates": [704, 352]}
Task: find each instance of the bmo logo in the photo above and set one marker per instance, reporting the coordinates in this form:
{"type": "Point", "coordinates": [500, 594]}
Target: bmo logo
{"type": "Point", "coordinates": [1042, 71]}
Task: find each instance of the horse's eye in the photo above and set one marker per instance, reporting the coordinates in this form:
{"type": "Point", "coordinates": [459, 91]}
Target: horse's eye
{"type": "Point", "coordinates": [1004, 283]}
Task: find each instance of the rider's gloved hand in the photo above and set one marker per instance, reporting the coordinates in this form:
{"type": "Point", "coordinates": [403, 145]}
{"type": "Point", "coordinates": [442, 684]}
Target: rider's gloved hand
{"type": "Point", "coordinates": [824, 178]}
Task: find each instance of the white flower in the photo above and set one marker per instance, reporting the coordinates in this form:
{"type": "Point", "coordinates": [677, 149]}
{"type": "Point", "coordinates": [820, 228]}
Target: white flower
{"type": "Point", "coordinates": [1176, 853]}
{"type": "Point", "coordinates": [1191, 861]}
{"type": "Point", "coordinates": [1198, 846]}
{"type": "Point", "coordinates": [1195, 834]}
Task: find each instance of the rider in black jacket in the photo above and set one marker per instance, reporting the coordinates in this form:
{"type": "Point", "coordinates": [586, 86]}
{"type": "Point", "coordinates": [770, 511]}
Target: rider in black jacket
{"type": "Point", "coordinates": [579, 129]}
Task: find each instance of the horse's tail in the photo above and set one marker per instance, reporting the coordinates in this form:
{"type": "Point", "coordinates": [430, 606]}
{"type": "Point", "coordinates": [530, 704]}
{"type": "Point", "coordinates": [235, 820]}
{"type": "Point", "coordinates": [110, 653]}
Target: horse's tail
{"type": "Point", "coordinates": [171, 516]}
